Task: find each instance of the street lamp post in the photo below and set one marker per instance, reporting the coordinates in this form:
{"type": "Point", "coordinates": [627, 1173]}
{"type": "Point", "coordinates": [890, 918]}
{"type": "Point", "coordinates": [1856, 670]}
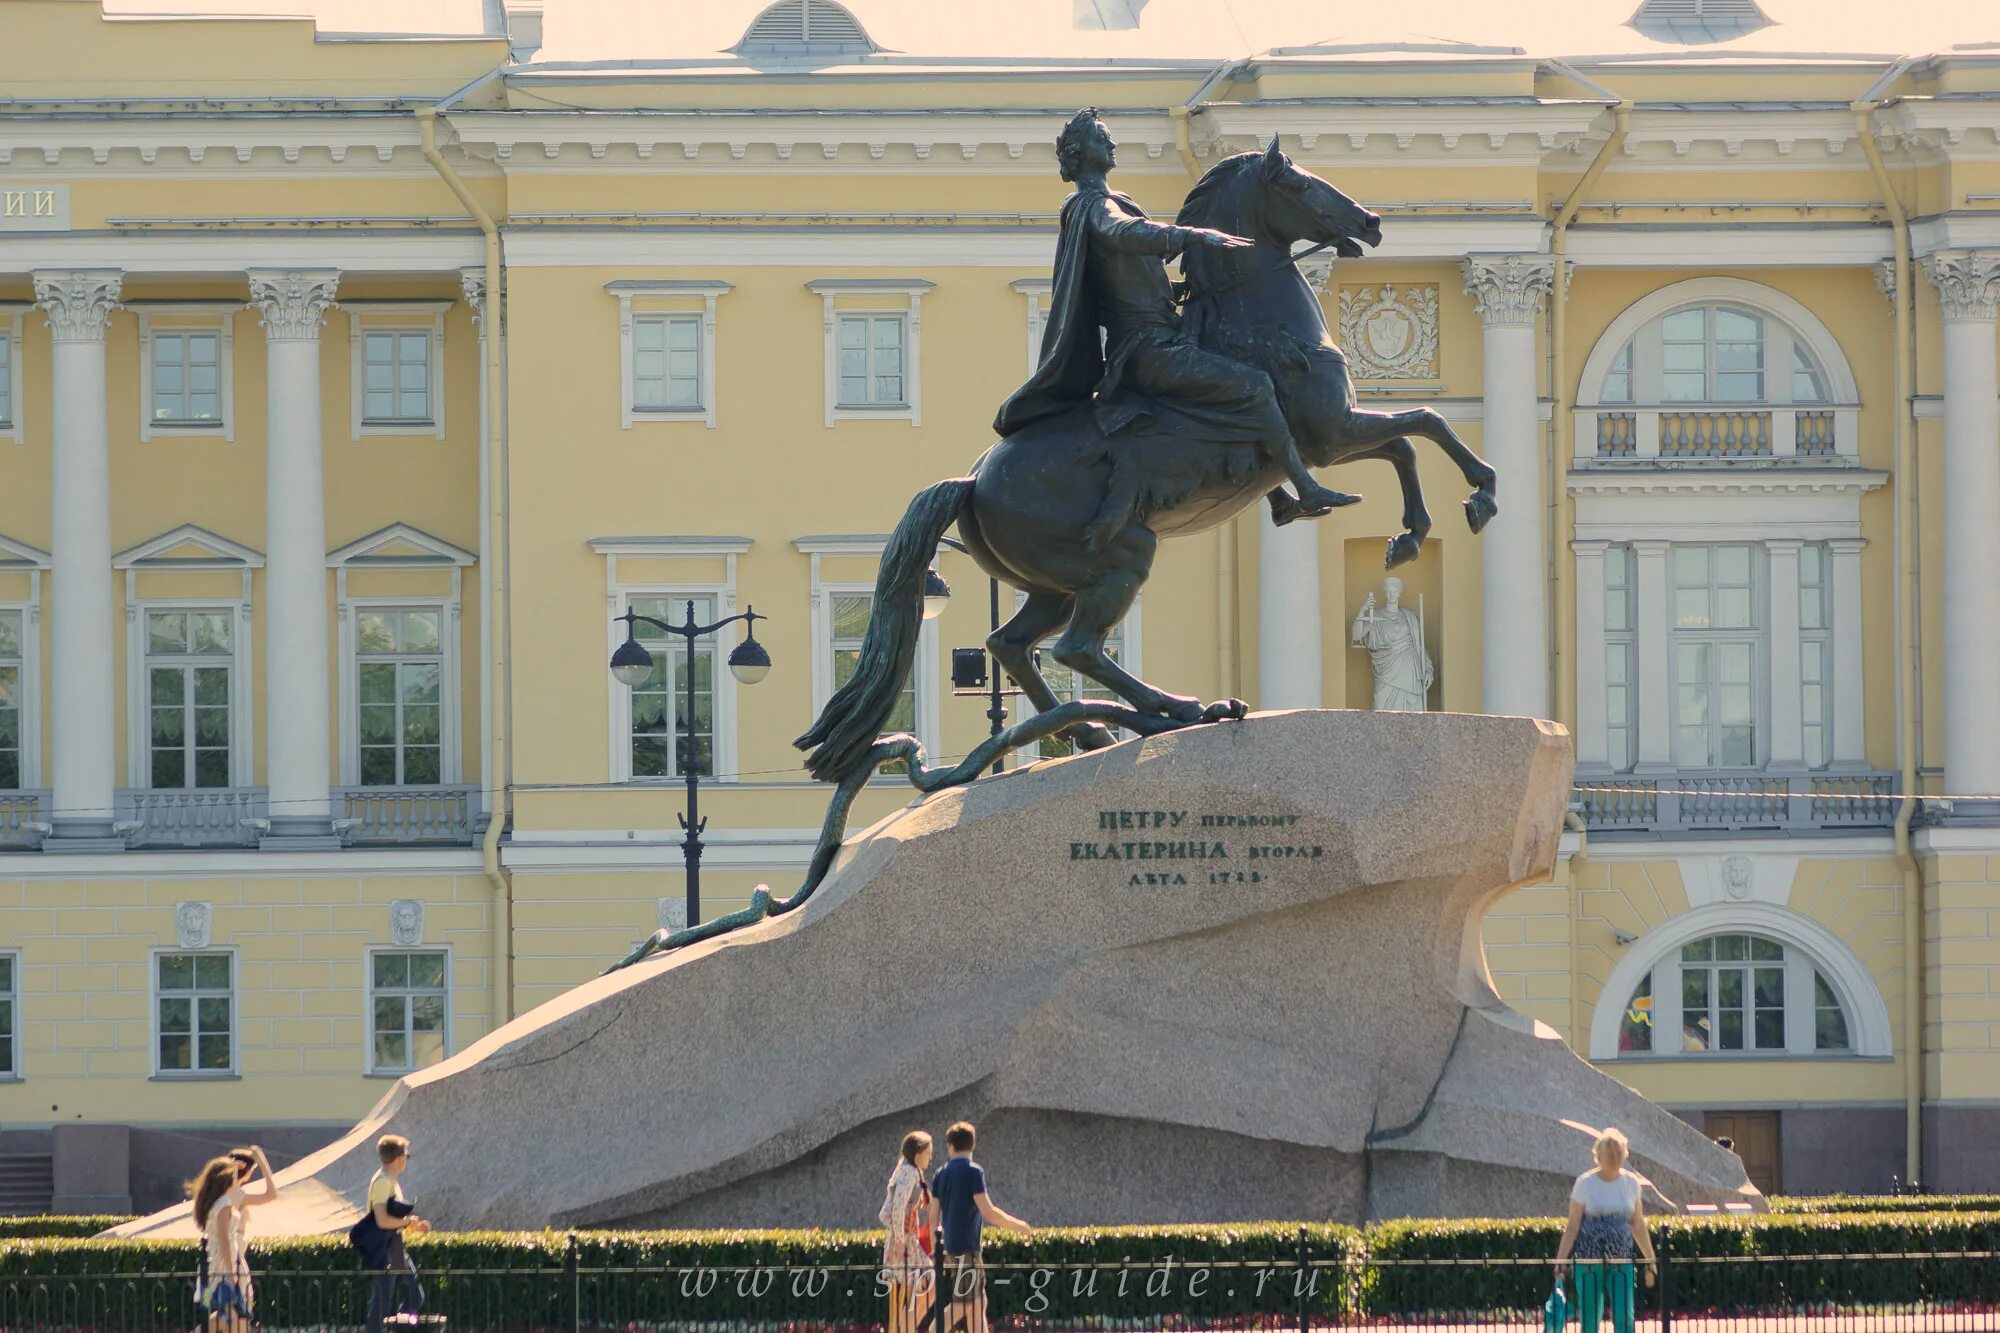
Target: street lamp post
{"type": "Point", "coordinates": [632, 665]}
{"type": "Point", "coordinates": [936, 594]}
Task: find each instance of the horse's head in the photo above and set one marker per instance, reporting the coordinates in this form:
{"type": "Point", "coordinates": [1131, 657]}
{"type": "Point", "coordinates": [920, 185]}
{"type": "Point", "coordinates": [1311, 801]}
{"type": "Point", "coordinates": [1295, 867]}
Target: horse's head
{"type": "Point", "coordinates": [1299, 206]}
{"type": "Point", "coordinates": [1268, 197]}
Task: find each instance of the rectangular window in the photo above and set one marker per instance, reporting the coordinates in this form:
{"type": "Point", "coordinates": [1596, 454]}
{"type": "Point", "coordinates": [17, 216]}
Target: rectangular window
{"type": "Point", "coordinates": [11, 702]}
{"type": "Point", "coordinates": [407, 994]}
{"type": "Point", "coordinates": [396, 377]}
{"type": "Point", "coordinates": [10, 1016]}
{"type": "Point", "coordinates": [666, 736]}
{"type": "Point", "coordinates": [1733, 994]}
{"type": "Point", "coordinates": [194, 1016]}
{"type": "Point", "coordinates": [1739, 356]}
{"type": "Point", "coordinates": [399, 672]}
{"type": "Point", "coordinates": [1621, 683]}
{"type": "Point", "coordinates": [666, 363]}
{"type": "Point", "coordinates": [189, 657]}
{"type": "Point", "coordinates": [187, 378]}
{"type": "Point", "coordinates": [1715, 657]}
{"type": "Point", "coordinates": [850, 614]}
{"type": "Point", "coordinates": [871, 360]}
{"type": "Point", "coordinates": [1815, 656]}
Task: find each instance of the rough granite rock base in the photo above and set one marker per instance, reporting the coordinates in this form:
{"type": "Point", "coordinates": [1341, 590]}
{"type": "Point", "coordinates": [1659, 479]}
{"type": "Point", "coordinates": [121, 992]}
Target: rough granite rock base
{"type": "Point", "coordinates": [1229, 973]}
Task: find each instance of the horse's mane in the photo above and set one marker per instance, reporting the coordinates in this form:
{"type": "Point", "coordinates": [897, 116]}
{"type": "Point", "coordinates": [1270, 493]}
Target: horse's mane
{"type": "Point", "coordinates": [1195, 209]}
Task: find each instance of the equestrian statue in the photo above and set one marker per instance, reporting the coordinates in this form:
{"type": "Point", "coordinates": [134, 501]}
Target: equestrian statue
{"type": "Point", "coordinates": [1158, 409]}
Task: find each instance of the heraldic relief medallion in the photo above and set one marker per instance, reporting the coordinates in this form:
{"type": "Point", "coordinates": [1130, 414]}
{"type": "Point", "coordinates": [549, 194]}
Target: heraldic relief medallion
{"type": "Point", "coordinates": [1390, 333]}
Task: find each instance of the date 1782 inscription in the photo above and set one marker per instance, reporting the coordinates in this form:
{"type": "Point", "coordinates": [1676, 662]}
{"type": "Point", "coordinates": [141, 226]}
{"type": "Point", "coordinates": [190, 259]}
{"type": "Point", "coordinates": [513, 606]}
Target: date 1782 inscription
{"type": "Point", "coordinates": [1229, 848]}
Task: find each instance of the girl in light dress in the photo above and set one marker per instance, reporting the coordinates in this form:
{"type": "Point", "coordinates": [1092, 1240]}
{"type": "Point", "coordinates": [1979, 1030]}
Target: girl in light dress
{"type": "Point", "coordinates": [906, 1250]}
{"type": "Point", "coordinates": [221, 1208]}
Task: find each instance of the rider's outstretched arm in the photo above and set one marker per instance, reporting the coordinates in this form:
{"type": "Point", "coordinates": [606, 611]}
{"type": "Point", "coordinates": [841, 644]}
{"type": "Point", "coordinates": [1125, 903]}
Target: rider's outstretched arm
{"type": "Point", "coordinates": [1137, 236]}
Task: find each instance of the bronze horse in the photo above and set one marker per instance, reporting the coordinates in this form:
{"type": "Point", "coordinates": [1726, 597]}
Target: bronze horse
{"type": "Point", "coordinates": [1072, 517]}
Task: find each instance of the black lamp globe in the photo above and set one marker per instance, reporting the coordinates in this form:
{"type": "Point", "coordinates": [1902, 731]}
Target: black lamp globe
{"type": "Point", "coordinates": [748, 661]}
{"type": "Point", "coordinates": [937, 594]}
{"type": "Point", "coordinates": [631, 664]}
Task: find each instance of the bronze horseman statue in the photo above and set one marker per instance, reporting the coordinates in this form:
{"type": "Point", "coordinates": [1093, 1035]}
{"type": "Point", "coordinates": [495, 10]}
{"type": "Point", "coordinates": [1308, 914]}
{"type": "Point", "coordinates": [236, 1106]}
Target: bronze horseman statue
{"type": "Point", "coordinates": [1156, 411]}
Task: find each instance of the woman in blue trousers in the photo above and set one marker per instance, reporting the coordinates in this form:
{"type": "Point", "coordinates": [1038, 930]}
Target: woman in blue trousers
{"type": "Point", "coordinates": [1607, 1222]}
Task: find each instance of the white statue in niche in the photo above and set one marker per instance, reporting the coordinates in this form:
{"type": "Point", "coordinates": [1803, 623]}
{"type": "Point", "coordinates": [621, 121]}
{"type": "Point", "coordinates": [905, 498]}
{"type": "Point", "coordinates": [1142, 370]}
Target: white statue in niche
{"type": "Point", "coordinates": [1394, 638]}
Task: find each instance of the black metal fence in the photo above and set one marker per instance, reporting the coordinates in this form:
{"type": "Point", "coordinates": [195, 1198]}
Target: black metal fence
{"type": "Point", "coordinates": [1807, 1293]}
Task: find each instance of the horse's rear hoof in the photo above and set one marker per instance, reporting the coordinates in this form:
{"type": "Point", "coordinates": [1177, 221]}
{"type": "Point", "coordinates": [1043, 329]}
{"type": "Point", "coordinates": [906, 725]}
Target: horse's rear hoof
{"type": "Point", "coordinates": [1480, 507]}
{"type": "Point", "coordinates": [1226, 710]}
{"type": "Point", "coordinates": [1092, 736]}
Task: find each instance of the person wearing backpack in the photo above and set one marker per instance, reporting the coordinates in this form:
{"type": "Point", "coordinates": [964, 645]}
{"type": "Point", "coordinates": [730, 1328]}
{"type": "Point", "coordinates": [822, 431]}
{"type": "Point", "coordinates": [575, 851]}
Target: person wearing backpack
{"type": "Point", "coordinates": [379, 1236]}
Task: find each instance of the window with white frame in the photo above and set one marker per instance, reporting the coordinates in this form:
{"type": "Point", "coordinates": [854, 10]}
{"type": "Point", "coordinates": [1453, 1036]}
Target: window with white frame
{"type": "Point", "coordinates": [873, 347]}
{"type": "Point", "coordinates": [189, 659]}
{"type": "Point", "coordinates": [399, 695]}
{"type": "Point", "coordinates": [185, 381]}
{"type": "Point", "coordinates": [872, 365]}
{"type": "Point", "coordinates": [10, 1016]}
{"type": "Point", "coordinates": [8, 361]}
{"type": "Point", "coordinates": [667, 735]}
{"type": "Point", "coordinates": [12, 701]}
{"type": "Point", "coordinates": [849, 613]}
{"type": "Point", "coordinates": [1621, 660]}
{"type": "Point", "coordinates": [194, 1013]}
{"type": "Point", "coordinates": [409, 1003]}
{"type": "Point", "coordinates": [396, 367]}
{"type": "Point", "coordinates": [1816, 665]}
{"type": "Point", "coordinates": [187, 377]}
{"type": "Point", "coordinates": [1741, 994]}
{"type": "Point", "coordinates": [396, 387]}
{"type": "Point", "coordinates": [666, 363]}
{"type": "Point", "coordinates": [1716, 650]}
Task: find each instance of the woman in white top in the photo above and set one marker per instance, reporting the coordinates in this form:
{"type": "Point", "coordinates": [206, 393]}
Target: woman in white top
{"type": "Point", "coordinates": [1607, 1220]}
{"type": "Point", "coordinates": [906, 1249]}
{"type": "Point", "coordinates": [220, 1205]}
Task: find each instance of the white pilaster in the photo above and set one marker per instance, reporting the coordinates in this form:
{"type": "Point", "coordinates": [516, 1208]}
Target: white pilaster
{"type": "Point", "coordinates": [1288, 616]}
{"type": "Point", "coordinates": [1592, 741]}
{"type": "Point", "coordinates": [1656, 739]}
{"type": "Point", "coordinates": [1787, 717]}
{"type": "Point", "coordinates": [83, 694]}
{"type": "Point", "coordinates": [299, 760]}
{"type": "Point", "coordinates": [1850, 736]}
{"type": "Point", "coordinates": [1968, 283]}
{"type": "Point", "coordinates": [472, 282]}
{"type": "Point", "coordinates": [1509, 290]}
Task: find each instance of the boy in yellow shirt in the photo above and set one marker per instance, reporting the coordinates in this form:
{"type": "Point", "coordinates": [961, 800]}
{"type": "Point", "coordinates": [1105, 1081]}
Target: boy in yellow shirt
{"type": "Point", "coordinates": [394, 1215]}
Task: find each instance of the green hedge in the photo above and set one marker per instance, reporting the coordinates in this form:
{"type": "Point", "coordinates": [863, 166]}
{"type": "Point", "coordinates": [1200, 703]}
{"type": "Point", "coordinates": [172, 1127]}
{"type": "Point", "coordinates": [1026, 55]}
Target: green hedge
{"type": "Point", "coordinates": [77, 1224]}
{"type": "Point", "coordinates": [1218, 1273]}
{"type": "Point", "coordinates": [1808, 1204]}
{"type": "Point", "coordinates": [477, 1279]}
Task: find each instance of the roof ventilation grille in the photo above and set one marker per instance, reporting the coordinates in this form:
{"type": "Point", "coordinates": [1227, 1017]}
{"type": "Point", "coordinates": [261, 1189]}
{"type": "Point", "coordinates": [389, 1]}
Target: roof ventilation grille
{"type": "Point", "coordinates": [1698, 22]}
{"type": "Point", "coordinates": [805, 27]}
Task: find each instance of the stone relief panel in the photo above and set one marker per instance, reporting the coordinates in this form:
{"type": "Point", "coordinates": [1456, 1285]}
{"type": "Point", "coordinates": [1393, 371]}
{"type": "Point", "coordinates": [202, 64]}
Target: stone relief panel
{"type": "Point", "coordinates": [192, 922]}
{"type": "Point", "coordinates": [1390, 332]}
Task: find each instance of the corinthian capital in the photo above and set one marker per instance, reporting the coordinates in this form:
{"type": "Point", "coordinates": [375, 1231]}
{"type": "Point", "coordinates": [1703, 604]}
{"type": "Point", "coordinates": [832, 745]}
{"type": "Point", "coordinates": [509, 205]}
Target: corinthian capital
{"type": "Point", "coordinates": [1508, 288]}
{"type": "Point", "coordinates": [78, 302]}
{"type": "Point", "coordinates": [1968, 282]}
{"type": "Point", "coordinates": [293, 302]}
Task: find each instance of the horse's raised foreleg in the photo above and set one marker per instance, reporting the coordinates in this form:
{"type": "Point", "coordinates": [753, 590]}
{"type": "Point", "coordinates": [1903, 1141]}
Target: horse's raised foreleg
{"type": "Point", "coordinates": [1099, 608]}
{"type": "Point", "coordinates": [1376, 428]}
{"type": "Point", "coordinates": [1013, 647]}
{"type": "Point", "coordinates": [1403, 547]}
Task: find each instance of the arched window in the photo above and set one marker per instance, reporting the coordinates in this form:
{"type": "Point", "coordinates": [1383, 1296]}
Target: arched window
{"type": "Point", "coordinates": [1716, 368]}
{"type": "Point", "coordinates": [805, 27]}
{"type": "Point", "coordinates": [1740, 980]}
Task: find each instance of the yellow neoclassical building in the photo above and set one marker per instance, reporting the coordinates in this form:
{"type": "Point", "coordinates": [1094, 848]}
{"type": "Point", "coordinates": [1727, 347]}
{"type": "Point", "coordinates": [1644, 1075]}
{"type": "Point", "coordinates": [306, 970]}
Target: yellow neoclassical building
{"type": "Point", "coordinates": [353, 383]}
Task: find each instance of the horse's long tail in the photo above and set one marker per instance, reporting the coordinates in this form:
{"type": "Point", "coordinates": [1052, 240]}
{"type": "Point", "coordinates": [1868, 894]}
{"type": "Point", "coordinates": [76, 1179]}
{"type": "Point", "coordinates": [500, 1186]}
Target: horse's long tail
{"type": "Point", "coordinates": [849, 723]}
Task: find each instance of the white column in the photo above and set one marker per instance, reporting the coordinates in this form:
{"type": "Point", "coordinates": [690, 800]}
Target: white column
{"type": "Point", "coordinates": [1968, 283]}
{"type": "Point", "coordinates": [1515, 589]}
{"type": "Point", "coordinates": [1656, 738]}
{"type": "Point", "coordinates": [297, 693]}
{"type": "Point", "coordinates": [1288, 615]}
{"type": "Point", "coordinates": [1592, 750]}
{"type": "Point", "coordinates": [1850, 735]}
{"type": "Point", "coordinates": [82, 688]}
{"type": "Point", "coordinates": [473, 282]}
{"type": "Point", "coordinates": [1788, 742]}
